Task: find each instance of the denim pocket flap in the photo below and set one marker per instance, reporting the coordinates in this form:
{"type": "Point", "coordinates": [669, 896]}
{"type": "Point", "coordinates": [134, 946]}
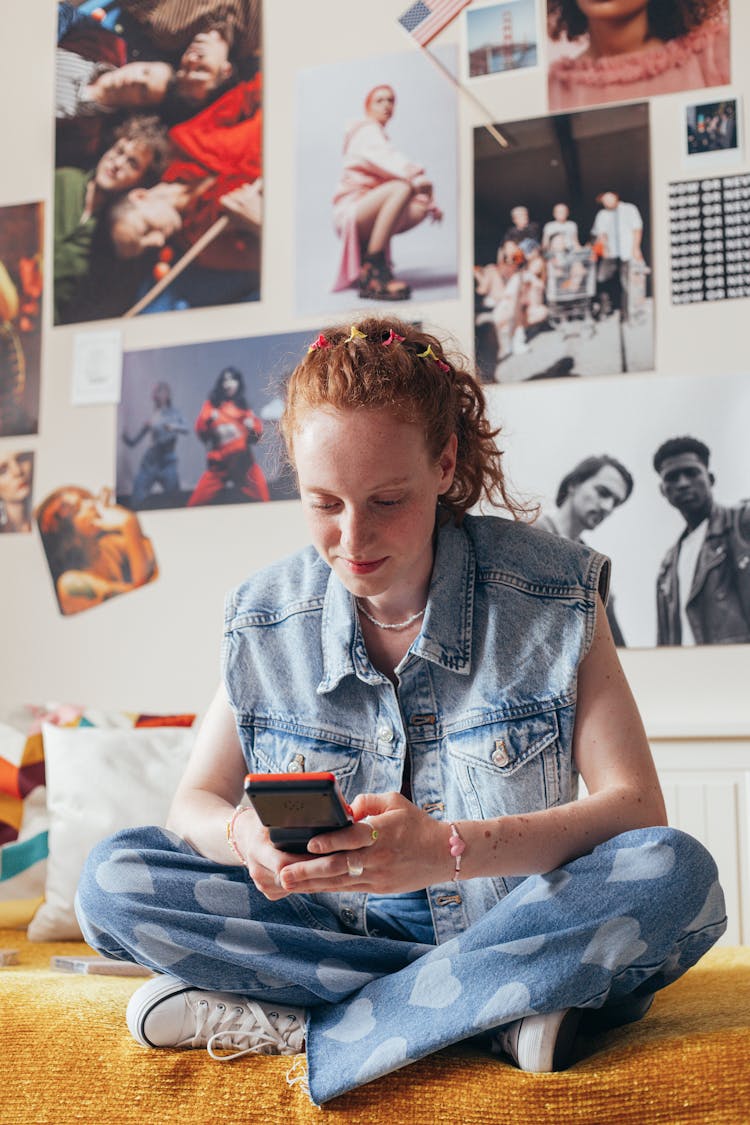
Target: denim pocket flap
{"type": "Point", "coordinates": [505, 747]}
{"type": "Point", "coordinates": [286, 751]}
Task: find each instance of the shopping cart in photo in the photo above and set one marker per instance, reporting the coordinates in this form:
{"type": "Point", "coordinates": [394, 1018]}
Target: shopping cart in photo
{"type": "Point", "coordinates": [636, 283]}
{"type": "Point", "coordinates": [570, 290]}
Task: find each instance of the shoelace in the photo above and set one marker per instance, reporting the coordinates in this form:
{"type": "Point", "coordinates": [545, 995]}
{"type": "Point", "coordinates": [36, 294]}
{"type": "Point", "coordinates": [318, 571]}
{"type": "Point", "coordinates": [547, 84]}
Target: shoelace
{"type": "Point", "coordinates": [224, 1028]}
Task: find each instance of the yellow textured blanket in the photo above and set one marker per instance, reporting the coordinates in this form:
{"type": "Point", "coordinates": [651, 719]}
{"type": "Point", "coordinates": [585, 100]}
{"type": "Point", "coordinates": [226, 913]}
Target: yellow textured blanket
{"type": "Point", "coordinates": [66, 1056]}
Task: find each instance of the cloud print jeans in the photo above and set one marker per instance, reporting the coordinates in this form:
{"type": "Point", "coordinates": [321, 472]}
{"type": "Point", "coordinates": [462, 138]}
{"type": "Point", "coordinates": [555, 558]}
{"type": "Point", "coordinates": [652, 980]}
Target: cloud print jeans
{"type": "Point", "coordinates": [630, 917]}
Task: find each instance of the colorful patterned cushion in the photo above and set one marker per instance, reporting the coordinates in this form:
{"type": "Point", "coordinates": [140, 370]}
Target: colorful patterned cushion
{"type": "Point", "coordinates": [24, 820]}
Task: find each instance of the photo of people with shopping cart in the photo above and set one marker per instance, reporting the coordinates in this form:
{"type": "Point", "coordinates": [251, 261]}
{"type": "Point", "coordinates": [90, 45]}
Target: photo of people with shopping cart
{"type": "Point", "coordinates": [562, 273]}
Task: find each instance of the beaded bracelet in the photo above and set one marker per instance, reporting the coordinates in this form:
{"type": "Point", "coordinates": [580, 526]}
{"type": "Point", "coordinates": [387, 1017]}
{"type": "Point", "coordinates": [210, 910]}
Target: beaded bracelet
{"type": "Point", "coordinates": [230, 831]}
{"type": "Point", "coordinates": [458, 847]}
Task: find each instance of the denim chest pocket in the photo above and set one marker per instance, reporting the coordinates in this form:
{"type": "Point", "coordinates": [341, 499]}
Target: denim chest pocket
{"type": "Point", "coordinates": [272, 750]}
{"type": "Point", "coordinates": [509, 767]}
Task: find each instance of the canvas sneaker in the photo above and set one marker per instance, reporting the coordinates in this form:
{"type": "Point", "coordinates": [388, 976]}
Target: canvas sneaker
{"type": "Point", "coordinates": [166, 1012]}
{"type": "Point", "coordinates": [539, 1043]}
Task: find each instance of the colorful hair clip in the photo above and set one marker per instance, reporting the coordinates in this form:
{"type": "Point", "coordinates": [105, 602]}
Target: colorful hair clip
{"type": "Point", "coordinates": [355, 334]}
{"type": "Point", "coordinates": [393, 338]}
{"type": "Point", "coordinates": [428, 353]}
{"type": "Point", "coordinates": [321, 342]}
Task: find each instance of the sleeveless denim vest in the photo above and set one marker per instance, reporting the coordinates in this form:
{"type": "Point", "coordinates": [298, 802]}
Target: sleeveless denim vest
{"type": "Point", "coordinates": [486, 695]}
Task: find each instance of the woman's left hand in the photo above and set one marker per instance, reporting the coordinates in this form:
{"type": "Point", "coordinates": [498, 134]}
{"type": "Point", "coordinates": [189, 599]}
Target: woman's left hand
{"type": "Point", "coordinates": [397, 848]}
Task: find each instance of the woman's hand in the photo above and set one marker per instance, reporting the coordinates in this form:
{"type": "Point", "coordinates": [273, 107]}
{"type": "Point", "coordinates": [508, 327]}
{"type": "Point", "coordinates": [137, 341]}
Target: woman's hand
{"type": "Point", "coordinates": [397, 848]}
{"type": "Point", "coordinates": [244, 206]}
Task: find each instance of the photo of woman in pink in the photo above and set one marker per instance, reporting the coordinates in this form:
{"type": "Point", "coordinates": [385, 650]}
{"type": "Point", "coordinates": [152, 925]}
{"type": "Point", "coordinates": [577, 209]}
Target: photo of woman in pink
{"type": "Point", "coordinates": [617, 50]}
{"type": "Point", "coordinates": [381, 193]}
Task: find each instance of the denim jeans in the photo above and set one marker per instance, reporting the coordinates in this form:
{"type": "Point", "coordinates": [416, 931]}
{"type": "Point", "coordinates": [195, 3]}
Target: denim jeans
{"type": "Point", "coordinates": [631, 916]}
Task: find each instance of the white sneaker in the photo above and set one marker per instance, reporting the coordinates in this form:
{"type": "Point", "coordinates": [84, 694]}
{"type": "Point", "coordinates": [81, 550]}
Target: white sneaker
{"type": "Point", "coordinates": [540, 1043]}
{"type": "Point", "coordinates": [165, 1012]}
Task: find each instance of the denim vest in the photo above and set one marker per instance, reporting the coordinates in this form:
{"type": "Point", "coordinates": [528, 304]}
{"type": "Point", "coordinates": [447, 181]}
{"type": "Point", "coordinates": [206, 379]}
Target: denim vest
{"type": "Point", "coordinates": [486, 694]}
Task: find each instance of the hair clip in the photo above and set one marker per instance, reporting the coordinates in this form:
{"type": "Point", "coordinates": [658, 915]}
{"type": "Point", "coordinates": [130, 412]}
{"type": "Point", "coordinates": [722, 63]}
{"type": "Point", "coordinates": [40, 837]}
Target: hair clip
{"type": "Point", "coordinates": [355, 334]}
{"type": "Point", "coordinates": [393, 338]}
{"type": "Point", "coordinates": [428, 353]}
{"type": "Point", "coordinates": [321, 342]}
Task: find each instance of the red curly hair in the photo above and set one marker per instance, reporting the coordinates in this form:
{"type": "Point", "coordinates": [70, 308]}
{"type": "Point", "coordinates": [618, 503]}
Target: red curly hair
{"type": "Point", "coordinates": [435, 392]}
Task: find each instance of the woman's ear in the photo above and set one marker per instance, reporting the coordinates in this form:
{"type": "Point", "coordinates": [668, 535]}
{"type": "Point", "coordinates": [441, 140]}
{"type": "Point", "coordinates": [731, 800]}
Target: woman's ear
{"type": "Point", "coordinates": [447, 463]}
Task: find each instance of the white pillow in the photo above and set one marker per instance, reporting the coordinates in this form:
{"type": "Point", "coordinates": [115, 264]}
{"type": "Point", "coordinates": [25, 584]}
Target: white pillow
{"type": "Point", "coordinates": [99, 781]}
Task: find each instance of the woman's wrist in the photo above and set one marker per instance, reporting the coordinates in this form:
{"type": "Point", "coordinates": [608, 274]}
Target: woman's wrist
{"type": "Point", "coordinates": [231, 826]}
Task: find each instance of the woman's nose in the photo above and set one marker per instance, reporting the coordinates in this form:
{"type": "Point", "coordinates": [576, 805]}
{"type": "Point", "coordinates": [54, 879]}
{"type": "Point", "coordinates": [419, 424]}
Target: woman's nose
{"type": "Point", "coordinates": [354, 532]}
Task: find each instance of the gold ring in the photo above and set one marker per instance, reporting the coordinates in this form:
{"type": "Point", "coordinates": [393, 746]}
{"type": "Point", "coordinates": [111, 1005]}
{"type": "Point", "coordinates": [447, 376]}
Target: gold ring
{"type": "Point", "coordinates": [373, 835]}
{"type": "Point", "coordinates": [354, 869]}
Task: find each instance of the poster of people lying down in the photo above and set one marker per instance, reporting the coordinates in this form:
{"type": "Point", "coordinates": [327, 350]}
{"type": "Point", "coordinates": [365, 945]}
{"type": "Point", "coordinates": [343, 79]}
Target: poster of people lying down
{"type": "Point", "coordinates": [158, 156]}
{"type": "Point", "coordinates": [197, 424]}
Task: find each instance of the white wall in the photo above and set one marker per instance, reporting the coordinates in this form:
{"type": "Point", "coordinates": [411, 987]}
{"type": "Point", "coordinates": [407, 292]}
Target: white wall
{"type": "Point", "coordinates": [159, 647]}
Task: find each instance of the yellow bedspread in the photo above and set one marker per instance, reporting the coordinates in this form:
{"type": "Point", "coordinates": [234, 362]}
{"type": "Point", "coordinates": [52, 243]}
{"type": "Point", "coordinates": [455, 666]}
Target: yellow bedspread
{"type": "Point", "coordinates": [66, 1056]}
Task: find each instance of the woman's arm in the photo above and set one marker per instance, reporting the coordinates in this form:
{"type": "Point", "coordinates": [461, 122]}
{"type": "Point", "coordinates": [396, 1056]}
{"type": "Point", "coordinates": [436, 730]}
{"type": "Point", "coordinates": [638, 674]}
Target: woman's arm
{"type": "Point", "coordinates": [611, 752]}
{"type": "Point", "coordinates": [131, 441]}
{"type": "Point", "coordinates": [211, 786]}
{"type": "Point", "coordinates": [371, 150]}
{"type": "Point", "coordinates": [80, 589]}
{"type": "Point", "coordinates": [208, 794]}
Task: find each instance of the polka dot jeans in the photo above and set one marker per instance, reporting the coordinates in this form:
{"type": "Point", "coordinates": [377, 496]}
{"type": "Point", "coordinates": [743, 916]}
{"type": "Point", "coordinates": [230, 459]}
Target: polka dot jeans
{"type": "Point", "coordinates": [631, 916]}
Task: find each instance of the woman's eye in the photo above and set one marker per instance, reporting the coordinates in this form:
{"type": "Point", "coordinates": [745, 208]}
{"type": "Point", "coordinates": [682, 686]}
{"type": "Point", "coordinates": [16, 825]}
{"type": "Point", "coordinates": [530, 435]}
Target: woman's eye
{"type": "Point", "coordinates": [388, 503]}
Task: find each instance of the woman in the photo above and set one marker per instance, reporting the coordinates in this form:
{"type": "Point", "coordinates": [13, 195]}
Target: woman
{"type": "Point", "coordinates": [159, 462]}
{"type": "Point", "coordinates": [16, 471]}
{"type": "Point", "coordinates": [381, 193]}
{"type": "Point", "coordinates": [636, 48]}
{"type": "Point", "coordinates": [230, 429]}
{"type": "Point", "coordinates": [455, 672]}
{"type": "Point", "coordinates": [95, 548]}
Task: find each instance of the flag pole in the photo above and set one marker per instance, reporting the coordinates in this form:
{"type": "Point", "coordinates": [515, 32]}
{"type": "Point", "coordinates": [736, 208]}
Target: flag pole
{"type": "Point", "coordinates": [488, 123]}
{"type": "Point", "coordinates": [182, 263]}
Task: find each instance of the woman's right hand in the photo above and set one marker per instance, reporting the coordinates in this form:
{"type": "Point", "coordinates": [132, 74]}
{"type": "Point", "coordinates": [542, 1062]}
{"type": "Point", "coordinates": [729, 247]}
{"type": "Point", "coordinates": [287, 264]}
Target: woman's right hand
{"type": "Point", "coordinates": [263, 861]}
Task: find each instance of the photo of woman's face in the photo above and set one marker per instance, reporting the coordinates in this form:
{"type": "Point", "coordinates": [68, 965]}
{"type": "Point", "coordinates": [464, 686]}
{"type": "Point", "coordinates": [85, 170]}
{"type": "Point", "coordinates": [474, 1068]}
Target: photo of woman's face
{"type": "Point", "coordinates": [15, 477]}
{"type": "Point", "coordinates": [380, 104]}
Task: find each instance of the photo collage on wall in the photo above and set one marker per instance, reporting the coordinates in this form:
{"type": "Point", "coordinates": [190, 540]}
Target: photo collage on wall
{"type": "Point", "coordinates": [564, 287]}
{"type": "Point", "coordinates": [158, 208]}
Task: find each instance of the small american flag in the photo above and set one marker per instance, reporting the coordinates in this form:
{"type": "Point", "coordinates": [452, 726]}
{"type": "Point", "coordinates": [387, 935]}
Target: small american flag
{"type": "Point", "coordinates": [426, 18]}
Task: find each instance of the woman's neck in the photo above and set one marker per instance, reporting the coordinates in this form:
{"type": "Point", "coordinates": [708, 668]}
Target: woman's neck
{"type": "Point", "coordinates": [387, 649]}
{"type": "Point", "coordinates": [619, 37]}
{"type": "Point", "coordinates": [16, 514]}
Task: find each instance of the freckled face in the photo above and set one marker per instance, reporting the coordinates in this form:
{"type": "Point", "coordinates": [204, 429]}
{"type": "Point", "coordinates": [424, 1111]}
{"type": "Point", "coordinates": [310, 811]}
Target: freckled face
{"type": "Point", "coordinates": [369, 491]}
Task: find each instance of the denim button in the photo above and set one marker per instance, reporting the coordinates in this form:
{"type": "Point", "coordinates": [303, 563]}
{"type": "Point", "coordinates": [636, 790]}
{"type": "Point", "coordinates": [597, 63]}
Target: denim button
{"type": "Point", "coordinates": [348, 916]}
{"type": "Point", "coordinates": [500, 754]}
{"type": "Point", "coordinates": [385, 734]}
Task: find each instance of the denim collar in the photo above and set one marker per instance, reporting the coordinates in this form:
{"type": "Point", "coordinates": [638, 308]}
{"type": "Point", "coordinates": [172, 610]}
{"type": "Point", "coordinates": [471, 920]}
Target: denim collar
{"type": "Point", "coordinates": [445, 637]}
